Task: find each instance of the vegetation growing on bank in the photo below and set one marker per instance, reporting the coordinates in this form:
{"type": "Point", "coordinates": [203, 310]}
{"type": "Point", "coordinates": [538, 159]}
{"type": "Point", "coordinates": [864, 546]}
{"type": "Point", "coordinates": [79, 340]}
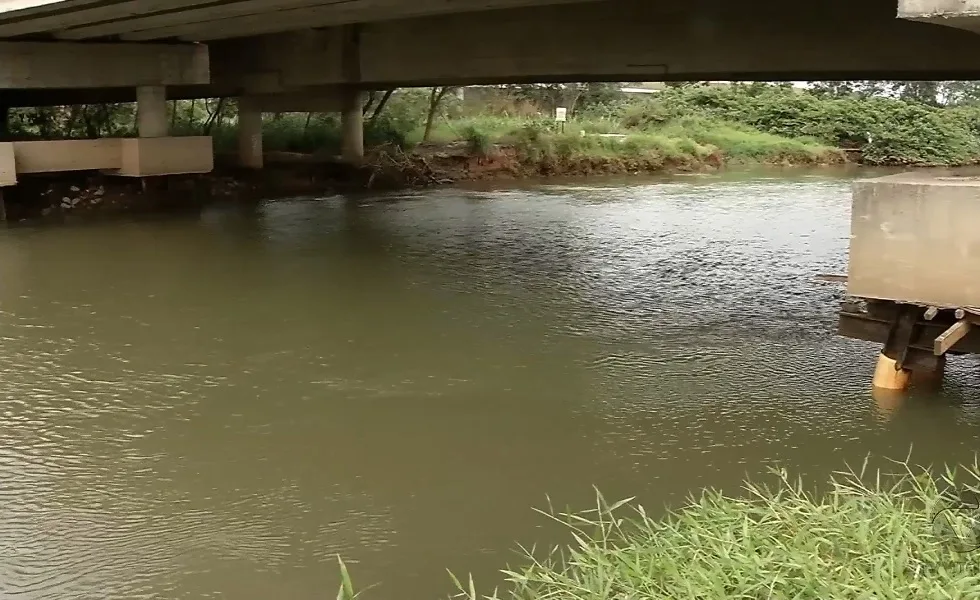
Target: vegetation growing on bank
{"type": "Point", "coordinates": [858, 540]}
{"type": "Point", "coordinates": [886, 123]}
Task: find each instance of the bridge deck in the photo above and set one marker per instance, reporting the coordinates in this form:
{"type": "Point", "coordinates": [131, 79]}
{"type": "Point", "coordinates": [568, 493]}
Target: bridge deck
{"type": "Point", "coordinates": [203, 20]}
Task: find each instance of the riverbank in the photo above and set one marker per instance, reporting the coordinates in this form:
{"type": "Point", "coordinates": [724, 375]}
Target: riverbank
{"type": "Point", "coordinates": [530, 154]}
{"type": "Point", "coordinates": [907, 535]}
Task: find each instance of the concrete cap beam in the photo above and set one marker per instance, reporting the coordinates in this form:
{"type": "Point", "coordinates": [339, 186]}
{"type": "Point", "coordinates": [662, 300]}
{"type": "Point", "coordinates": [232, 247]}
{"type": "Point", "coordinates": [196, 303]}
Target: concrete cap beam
{"type": "Point", "coordinates": [31, 65]}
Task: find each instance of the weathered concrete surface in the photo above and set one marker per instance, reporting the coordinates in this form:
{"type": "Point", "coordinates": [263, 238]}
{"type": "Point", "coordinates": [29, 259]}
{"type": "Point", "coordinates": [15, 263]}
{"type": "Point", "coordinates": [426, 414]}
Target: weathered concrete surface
{"type": "Point", "coordinates": [481, 41]}
{"type": "Point", "coordinates": [8, 166]}
{"type": "Point", "coordinates": [197, 20]}
{"type": "Point", "coordinates": [26, 65]}
{"type": "Point", "coordinates": [962, 14]}
{"type": "Point", "coordinates": [250, 153]}
{"type": "Point", "coordinates": [151, 111]}
{"type": "Point", "coordinates": [146, 157]}
{"type": "Point", "coordinates": [135, 157]}
{"type": "Point", "coordinates": [914, 238]}
{"type": "Point", "coordinates": [66, 155]}
{"type": "Point", "coordinates": [621, 40]}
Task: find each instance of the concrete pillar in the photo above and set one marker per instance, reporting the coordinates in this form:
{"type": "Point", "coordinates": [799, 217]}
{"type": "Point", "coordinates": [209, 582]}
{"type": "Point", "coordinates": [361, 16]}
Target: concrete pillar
{"type": "Point", "coordinates": [887, 377]}
{"type": "Point", "coordinates": [151, 111]}
{"type": "Point", "coordinates": [352, 126]}
{"type": "Point", "coordinates": [250, 151]}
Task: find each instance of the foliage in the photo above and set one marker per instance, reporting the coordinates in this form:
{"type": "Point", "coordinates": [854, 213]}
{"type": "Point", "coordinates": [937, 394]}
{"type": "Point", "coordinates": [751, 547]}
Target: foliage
{"type": "Point", "coordinates": [888, 130]}
{"type": "Point", "coordinates": [891, 123]}
{"type": "Point", "coordinates": [871, 535]}
{"type": "Point", "coordinates": [477, 140]}
{"type": "Point", "coordinates": [858, 540]}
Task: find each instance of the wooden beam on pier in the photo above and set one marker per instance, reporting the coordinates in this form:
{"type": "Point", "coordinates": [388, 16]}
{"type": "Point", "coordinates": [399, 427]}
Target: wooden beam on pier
{"type": "Point", "coordinates": [947, 339]}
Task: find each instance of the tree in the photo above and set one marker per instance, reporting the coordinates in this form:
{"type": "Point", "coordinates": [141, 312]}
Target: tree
{"type": "Point", "coordinates": [435, 99]}
{"type": "Point", "coordinates": [381, 106]}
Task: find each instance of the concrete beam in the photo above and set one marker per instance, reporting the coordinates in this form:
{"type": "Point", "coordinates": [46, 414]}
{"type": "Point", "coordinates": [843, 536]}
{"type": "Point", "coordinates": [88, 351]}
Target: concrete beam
{"type": "Point", "coordinates": [59, 16]}
{"type": "Point", "coordinates": [639, 40]}
{"type": "Point", "coordinates": [961, 14]}
{"type": "Point", "coordinates": [8, 165]}
{"type": "Point", "coordinates": [147, 157]}
{"type": "Point", "coordinates": [138, 16]}
{"type": "Point", "coordinates": [299, 14]}
{"type": "Point", "coordinates": [53, 156]}
{"type": "Point", "coordinates": [28, 65]}
{"type": "Point", "coordinates": [131, 157]}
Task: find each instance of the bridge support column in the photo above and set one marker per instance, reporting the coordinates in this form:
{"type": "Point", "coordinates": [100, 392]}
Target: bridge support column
{"type": "Point", "coordinates": [352, 126]}
{"type": "Point", "coordinates": [250, 151]}
{"type": "Point", "coordinates": [888, 377]}
{"type": "Point", "coordinates": [154, 152]}
{"type": "Point", "coordinates": [151, 111]}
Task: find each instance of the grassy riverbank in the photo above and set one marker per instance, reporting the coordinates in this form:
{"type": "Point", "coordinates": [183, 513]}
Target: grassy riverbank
{"type": "Point", "coordinates": [687, 127]}
{"type": "Point", "coordinates": [858, 540]}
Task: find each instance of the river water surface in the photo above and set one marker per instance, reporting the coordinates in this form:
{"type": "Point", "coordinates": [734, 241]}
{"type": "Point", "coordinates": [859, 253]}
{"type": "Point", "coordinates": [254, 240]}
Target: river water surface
{"type": "Point", "coordinates": [217, 406]}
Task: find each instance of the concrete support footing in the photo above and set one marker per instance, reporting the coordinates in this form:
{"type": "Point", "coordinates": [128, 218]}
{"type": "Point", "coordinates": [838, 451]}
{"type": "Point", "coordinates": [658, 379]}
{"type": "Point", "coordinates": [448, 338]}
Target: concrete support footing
{"type": "Point", "coordinates": [352, 126]}
{"type": "Point", "coordinates": [151, 111]}
{"type": "Point", "coordinates": [250, 152]}
{"type": "Point", "coordinates": [888, 377]}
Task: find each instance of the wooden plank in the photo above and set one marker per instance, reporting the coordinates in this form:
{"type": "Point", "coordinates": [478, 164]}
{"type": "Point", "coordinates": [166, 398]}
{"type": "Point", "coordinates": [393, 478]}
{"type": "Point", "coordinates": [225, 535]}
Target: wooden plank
{"type": "Point", "coordinates": [872, 328]}
{"type": "Point", "coordinates": [945, 342]}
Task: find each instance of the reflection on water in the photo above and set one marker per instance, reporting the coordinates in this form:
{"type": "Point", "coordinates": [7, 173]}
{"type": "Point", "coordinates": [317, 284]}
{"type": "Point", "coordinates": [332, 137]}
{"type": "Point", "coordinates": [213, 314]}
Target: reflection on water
{"type": "Point", "coordinates": [218, 406]}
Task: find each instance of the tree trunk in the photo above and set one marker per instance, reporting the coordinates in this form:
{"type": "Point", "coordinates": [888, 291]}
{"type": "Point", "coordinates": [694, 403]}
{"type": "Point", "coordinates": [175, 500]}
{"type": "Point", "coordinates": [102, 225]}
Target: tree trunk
{"type": "Point", "coordinates": [370, 102]}
{"type": "Point", "coordinates": [213, 117]}
{"type": "Point", "coordinates": [381, 106]}
{"type": "Point", "coordinates": [435, 97]}
{"type": "Point", "coordinates": [173, 115]}
{"type": "Point", "coordinates": [306, 127]}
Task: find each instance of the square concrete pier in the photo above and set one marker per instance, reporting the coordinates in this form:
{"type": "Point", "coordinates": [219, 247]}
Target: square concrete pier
{"type": "Point", "coordinates": [915, 238]}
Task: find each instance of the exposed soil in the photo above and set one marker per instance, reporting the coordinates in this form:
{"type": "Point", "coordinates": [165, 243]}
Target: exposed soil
{"type": "Point", "coordinates": [81, 195]}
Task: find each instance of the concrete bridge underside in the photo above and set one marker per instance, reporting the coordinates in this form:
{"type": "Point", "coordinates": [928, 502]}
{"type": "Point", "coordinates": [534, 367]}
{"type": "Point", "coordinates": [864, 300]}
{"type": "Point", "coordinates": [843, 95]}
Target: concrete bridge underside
{"type": "Point", "coordinates": [318, 55]}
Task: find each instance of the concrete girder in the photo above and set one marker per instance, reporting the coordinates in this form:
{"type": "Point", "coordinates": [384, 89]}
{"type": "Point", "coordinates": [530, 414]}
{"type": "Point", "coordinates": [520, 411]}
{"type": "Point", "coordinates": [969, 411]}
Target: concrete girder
{"type": "Point", "coordinates": [636, 41]}
{"type": "Point", "coordinates": [962, 14]}
{"type": "Point", "coordinates": [137, 16]}
{"type": "Point", "coordinates": [85, 19]}
{"type": "Point", "coordinates": [319, 14]}
{"type": "Point", "coordinates": [62, 15]}
{"type": "Point", "coordinates": [27, 65]}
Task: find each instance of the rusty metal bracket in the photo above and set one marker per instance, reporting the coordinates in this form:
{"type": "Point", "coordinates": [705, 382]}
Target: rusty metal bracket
{"type": "Point", "coordinates": [901, 334]}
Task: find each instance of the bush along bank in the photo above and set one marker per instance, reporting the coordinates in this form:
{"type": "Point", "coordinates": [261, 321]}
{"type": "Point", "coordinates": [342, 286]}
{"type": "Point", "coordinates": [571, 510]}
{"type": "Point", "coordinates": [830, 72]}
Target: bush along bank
{"type": "Point", "coordinates": [904, 536]}
{"type": "Point", "coordinates": [682, 128]}
{"type": "Point", "coordinates": [686, 127]}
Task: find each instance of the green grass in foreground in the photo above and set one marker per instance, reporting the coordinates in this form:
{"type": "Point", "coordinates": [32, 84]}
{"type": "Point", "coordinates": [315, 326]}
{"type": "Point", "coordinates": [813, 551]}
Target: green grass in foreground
{"type": "Point", "coordinates": [858, 540]}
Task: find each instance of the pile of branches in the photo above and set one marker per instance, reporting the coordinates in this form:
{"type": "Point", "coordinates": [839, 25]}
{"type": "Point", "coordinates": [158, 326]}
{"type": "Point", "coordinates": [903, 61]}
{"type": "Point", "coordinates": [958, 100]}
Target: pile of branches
{"type": "Point", "coordinates": [390, 166]}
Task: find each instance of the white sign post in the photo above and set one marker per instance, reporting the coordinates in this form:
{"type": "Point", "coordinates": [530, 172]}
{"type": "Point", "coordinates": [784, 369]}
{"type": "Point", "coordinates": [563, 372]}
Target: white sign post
{"type": "Point", "coordinates": [561, 115]}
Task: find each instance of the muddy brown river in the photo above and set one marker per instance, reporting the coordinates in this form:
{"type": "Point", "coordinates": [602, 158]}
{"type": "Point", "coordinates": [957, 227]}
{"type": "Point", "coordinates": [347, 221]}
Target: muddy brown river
{"type": "Point", "coordinates": [216, 405]}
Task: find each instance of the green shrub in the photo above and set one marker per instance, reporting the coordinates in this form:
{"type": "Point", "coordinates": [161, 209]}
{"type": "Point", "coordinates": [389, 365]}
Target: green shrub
{"type": "Point", "coordinates": [478, 141]}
